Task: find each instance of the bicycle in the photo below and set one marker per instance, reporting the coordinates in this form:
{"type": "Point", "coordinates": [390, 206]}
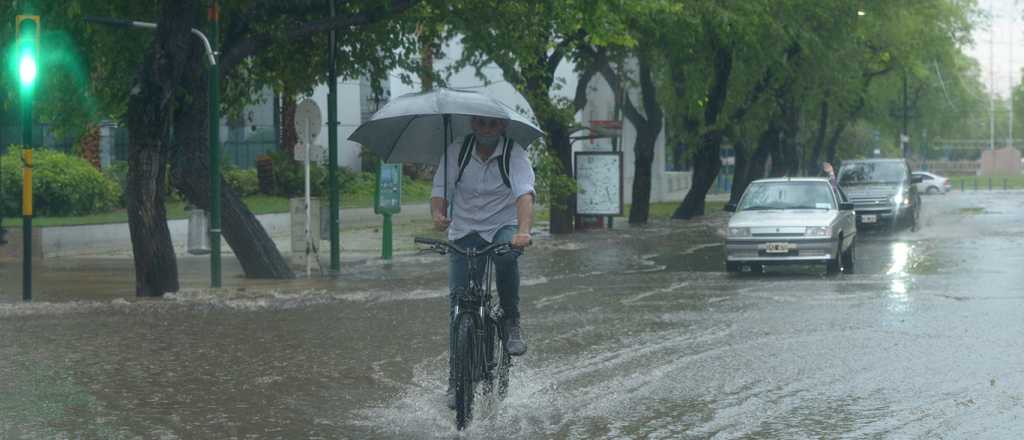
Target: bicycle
{"type": "Point", "coordinates": [478, 353]}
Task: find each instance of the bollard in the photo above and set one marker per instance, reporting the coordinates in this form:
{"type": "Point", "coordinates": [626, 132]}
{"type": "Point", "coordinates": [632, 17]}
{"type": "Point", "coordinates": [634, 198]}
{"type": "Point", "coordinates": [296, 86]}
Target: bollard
{"type": "Point", "coordinates": [962, 184]}
{"type": "Point", "coordinates": [990, 183]}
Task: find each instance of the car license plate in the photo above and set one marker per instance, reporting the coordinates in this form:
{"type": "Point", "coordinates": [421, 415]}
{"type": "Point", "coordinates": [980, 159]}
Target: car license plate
{"type": "Point", "coordinates": [869, 219]}
{"type": "Point", "coordinates": [776, 248]}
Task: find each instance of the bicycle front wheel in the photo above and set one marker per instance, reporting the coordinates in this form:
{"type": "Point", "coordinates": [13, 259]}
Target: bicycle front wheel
{"type": "Point", "coordinates": [498, 361]}
{"type": "Point", "coordinates": [464, 370]}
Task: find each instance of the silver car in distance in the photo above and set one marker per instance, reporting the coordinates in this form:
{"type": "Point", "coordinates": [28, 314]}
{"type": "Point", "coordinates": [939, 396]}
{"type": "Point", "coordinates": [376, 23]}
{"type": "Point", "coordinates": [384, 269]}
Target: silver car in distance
{"type": "Point", "coordinates": [791, 221]}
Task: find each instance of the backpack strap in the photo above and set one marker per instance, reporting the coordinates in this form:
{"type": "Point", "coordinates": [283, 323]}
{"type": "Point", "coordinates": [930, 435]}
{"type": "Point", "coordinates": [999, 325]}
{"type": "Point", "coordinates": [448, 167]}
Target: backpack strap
{"type": "Point", "coordinates": [504, 160]}
{"type": "Point", "coordinates": [465, 154]}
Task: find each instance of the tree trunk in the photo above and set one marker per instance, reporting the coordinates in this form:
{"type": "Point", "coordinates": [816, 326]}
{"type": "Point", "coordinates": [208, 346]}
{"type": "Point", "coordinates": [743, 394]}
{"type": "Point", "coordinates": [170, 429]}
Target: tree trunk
{"type": "Point", "coordinates": [706, 165]}
{"type": "Point", "coordinates": [253, 247]}
{"type": "Point", "coordinates": [755, 166]}
{"type": "Point", "coordinates": [833, 142]}
{"type": "Point", "coordinates": [790, 130]}
{"type": "Point", "coordinates": [741, 171]}
{"type": "Point", "coordinates": [149, 112]}
{"type": "Point", "coordinates": [647, 130]}
{"type": "Point", "coordinates": [642, 173]}
{"type": "Point", "coordinates": [819, 138]}
{"type": "Point", "coordinates": [562, 211]}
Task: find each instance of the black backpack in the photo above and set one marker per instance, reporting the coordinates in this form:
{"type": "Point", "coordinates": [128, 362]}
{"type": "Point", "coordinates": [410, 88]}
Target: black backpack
{"type": "Point", "coordinates": [466, 154]}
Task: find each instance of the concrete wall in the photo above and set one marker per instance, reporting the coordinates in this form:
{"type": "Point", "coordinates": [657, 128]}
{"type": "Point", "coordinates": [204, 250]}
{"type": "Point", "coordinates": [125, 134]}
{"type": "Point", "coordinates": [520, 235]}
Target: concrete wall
{"type": "Point", "coordinates": [1001, 162]}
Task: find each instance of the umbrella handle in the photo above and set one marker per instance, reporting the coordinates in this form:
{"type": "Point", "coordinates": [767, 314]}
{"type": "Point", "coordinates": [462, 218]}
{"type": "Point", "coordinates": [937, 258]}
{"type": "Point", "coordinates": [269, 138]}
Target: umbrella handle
{"type": "Point", "coordinates": [447, 132]}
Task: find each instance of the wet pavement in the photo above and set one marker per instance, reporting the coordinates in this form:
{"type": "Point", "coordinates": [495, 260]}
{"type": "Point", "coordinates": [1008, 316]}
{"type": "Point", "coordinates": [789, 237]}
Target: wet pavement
{"type": "Point", "coordinates": [633, 333]}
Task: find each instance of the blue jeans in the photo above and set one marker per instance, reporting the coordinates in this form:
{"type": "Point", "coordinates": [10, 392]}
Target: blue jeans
{"type": "Point", "coordinates": [506, 275]}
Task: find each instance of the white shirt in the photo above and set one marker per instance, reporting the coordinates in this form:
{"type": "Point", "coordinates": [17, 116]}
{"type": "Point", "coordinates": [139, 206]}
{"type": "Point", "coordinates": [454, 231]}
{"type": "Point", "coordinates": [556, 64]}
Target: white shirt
{"type": "Point", "coordinates": [481, 202]}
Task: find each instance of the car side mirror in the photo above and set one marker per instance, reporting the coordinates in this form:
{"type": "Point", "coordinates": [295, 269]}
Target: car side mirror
{"type": "Point", "coordinates": [916, 179]}
{"type": "Point", "coordinates": [845, 206]}
{"type": "Point", "coordinates": [730, 207]}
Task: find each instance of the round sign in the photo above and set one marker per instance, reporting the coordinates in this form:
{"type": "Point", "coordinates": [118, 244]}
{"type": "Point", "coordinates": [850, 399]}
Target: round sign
{"type": "Point", "coordinates": [307, 114]}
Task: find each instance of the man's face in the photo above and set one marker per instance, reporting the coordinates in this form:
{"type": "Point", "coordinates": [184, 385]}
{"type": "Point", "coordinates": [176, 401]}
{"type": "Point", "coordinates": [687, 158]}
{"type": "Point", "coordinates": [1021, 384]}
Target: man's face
{"type": "Point", "coordinates": [487, 126]}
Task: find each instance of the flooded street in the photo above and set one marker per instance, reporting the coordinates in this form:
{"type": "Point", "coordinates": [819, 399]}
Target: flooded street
{"type": "Point", "coordinates": [632, 333]}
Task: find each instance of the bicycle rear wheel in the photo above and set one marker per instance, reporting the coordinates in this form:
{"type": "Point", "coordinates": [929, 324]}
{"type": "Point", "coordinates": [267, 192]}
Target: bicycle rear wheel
{"type": "Point", "coordinates": [464, 369]}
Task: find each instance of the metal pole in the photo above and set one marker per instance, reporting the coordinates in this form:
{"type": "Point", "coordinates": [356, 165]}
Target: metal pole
{"type": "Point", "coordinates": [1010, 100]}
{"type": "Point", "coordinates": [308, 140]}
{"type": "Point", "coordinates": [991, 83]}
{"type": "Point", "coordinates": [386, 248]}
{"type": "Point", "coordinates": [332, 155]}
{"type": "Point", "coordinates": [26, 197]}
{"type": "Point", "coordinates": [904, 144]}
{"type": "Point", "coordinates": [214, 82]}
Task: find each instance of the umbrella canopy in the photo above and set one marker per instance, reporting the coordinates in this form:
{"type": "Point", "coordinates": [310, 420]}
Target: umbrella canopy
{"type": "Point", "coordinates": [417, 127]}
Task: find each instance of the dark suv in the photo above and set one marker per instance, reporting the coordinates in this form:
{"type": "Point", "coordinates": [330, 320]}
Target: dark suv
{"type": "Point", "coordinates": [883, 192]}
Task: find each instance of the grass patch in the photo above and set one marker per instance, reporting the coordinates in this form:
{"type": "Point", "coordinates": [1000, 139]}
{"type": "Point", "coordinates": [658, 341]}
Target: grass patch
{"type": "Point", "coordinates": [658, 211]}
{"type": "Point", "coordinates": [981, 182]}
{"type": "Point", "coordinates": [972, 211]}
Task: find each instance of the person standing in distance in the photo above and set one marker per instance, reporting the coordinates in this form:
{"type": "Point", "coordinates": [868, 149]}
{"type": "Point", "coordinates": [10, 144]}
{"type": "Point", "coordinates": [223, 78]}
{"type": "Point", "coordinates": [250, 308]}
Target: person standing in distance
{"type": "Point", "coordinates": [491, 204]}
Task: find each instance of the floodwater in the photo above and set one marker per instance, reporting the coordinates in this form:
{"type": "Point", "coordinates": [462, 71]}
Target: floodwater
{"type": "Point", "coordinates": [633, 333]}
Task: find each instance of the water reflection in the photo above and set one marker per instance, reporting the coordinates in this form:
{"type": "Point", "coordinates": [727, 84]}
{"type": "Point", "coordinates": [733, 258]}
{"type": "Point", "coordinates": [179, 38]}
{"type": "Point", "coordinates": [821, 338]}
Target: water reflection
{"type": "Point", "coordinates": [899, 300]}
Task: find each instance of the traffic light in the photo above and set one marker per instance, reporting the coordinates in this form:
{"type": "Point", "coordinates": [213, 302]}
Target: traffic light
{"type": "Point", "coordinates": [26, 54]}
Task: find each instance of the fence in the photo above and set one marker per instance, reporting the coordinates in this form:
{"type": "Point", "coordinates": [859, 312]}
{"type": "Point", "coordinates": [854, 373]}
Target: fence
{"type": "Point", "coordinates": [42, 136]}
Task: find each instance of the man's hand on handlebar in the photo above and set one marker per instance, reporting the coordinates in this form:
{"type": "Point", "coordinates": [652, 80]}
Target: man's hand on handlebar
{"type": "Point", "coordinates": [521, 240]}
{"type": "Point", "coordinates": [441, 222]}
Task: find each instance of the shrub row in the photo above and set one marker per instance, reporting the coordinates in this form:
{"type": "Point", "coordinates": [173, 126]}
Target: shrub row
{"type": "Point", "coordinates": [66, 185]}
{"type": "Point", "coordinates": [62, 185]}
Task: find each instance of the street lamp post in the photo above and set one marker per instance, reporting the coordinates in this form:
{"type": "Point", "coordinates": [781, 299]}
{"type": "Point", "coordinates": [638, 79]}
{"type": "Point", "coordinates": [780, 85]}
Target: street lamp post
{"type": "Point", "coordinates": [214, 101]}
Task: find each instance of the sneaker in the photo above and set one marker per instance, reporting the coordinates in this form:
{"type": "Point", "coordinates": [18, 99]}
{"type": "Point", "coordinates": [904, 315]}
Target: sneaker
{"type": "Point", "coordinates": [450, 397]}
{"type": "Point", "coordinates": [514, 343]}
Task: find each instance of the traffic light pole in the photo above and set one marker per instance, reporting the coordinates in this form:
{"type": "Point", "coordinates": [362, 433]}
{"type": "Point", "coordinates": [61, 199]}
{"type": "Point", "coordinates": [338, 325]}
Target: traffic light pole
{"type": "Point", "coordinates": [26, 196]}
{"type": "Point", "coordinates": [25, 57]}
{"type": "Point", "coordinates": [214, 101]}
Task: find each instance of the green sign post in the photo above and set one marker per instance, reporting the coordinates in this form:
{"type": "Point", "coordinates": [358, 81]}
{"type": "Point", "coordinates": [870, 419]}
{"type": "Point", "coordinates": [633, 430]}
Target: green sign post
{"type": "Point", "coordinates": [387, 200]}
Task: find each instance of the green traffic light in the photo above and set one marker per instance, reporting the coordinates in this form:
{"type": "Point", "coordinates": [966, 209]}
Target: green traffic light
{"type": "Point", "coordinates": [27, 50]}
{"type": "Point", "coordinates": [27, 68]}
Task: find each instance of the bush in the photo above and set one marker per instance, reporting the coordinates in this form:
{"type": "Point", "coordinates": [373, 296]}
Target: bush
{"type": "Point", "coordinates": [289, 176]}
{"type": "Point", "coordinates": [244, 182]}
{"type": "Point", "coordinates": [62, 185]}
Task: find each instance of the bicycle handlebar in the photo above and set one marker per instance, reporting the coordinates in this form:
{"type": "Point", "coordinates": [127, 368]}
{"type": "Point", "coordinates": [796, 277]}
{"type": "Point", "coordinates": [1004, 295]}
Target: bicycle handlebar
{"type": "Point", "coordinates": [443, 246]}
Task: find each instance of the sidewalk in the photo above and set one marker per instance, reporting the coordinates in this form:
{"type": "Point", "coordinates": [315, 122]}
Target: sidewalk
{"type": "Point", "coordinates": [361, 236]}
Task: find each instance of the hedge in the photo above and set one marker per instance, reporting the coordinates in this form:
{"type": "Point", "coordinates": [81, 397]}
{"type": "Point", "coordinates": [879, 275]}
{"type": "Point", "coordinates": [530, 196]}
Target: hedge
{"type": "Point", "coordinates": [62, 185]}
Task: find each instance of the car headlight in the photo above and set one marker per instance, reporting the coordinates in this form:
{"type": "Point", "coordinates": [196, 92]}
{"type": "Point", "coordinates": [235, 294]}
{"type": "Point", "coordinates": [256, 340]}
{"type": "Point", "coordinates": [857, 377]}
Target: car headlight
{"type": "Point", "coordinates": [818, 231]}
{"type": "Point", "coordinates": [739, 232]}
{"type": "Point", "coordinates": [901, 199]}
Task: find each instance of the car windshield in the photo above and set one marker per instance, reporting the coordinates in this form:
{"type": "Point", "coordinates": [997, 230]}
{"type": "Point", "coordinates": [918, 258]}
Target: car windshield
{"type": "Point", "coordinates": [787, 195]}
{"type": "Point", "coordinates": [861, 173]}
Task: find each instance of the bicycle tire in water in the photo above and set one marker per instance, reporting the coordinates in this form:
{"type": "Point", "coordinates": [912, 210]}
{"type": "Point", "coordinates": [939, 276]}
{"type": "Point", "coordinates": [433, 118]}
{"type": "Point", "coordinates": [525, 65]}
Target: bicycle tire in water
{"type": "Point", "coordinates": [464, 370]}
{"type": "Point", "coordinates": [499, 361]}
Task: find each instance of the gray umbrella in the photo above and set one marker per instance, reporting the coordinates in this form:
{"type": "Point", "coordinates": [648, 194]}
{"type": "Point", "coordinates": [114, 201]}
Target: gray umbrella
{"type": "Point", "coordinates": [417, 127]}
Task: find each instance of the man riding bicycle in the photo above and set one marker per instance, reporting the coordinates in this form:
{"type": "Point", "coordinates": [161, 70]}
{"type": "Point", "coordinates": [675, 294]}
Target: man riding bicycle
{"type": "Point", "coordinates": [493, 196]}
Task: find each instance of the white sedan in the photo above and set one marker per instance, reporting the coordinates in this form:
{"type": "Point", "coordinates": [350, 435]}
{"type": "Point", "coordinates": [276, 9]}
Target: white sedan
{"type": "Point", "coordinates": [791, 220]}
{"type": "Point", "coordinates": [931, 183]}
